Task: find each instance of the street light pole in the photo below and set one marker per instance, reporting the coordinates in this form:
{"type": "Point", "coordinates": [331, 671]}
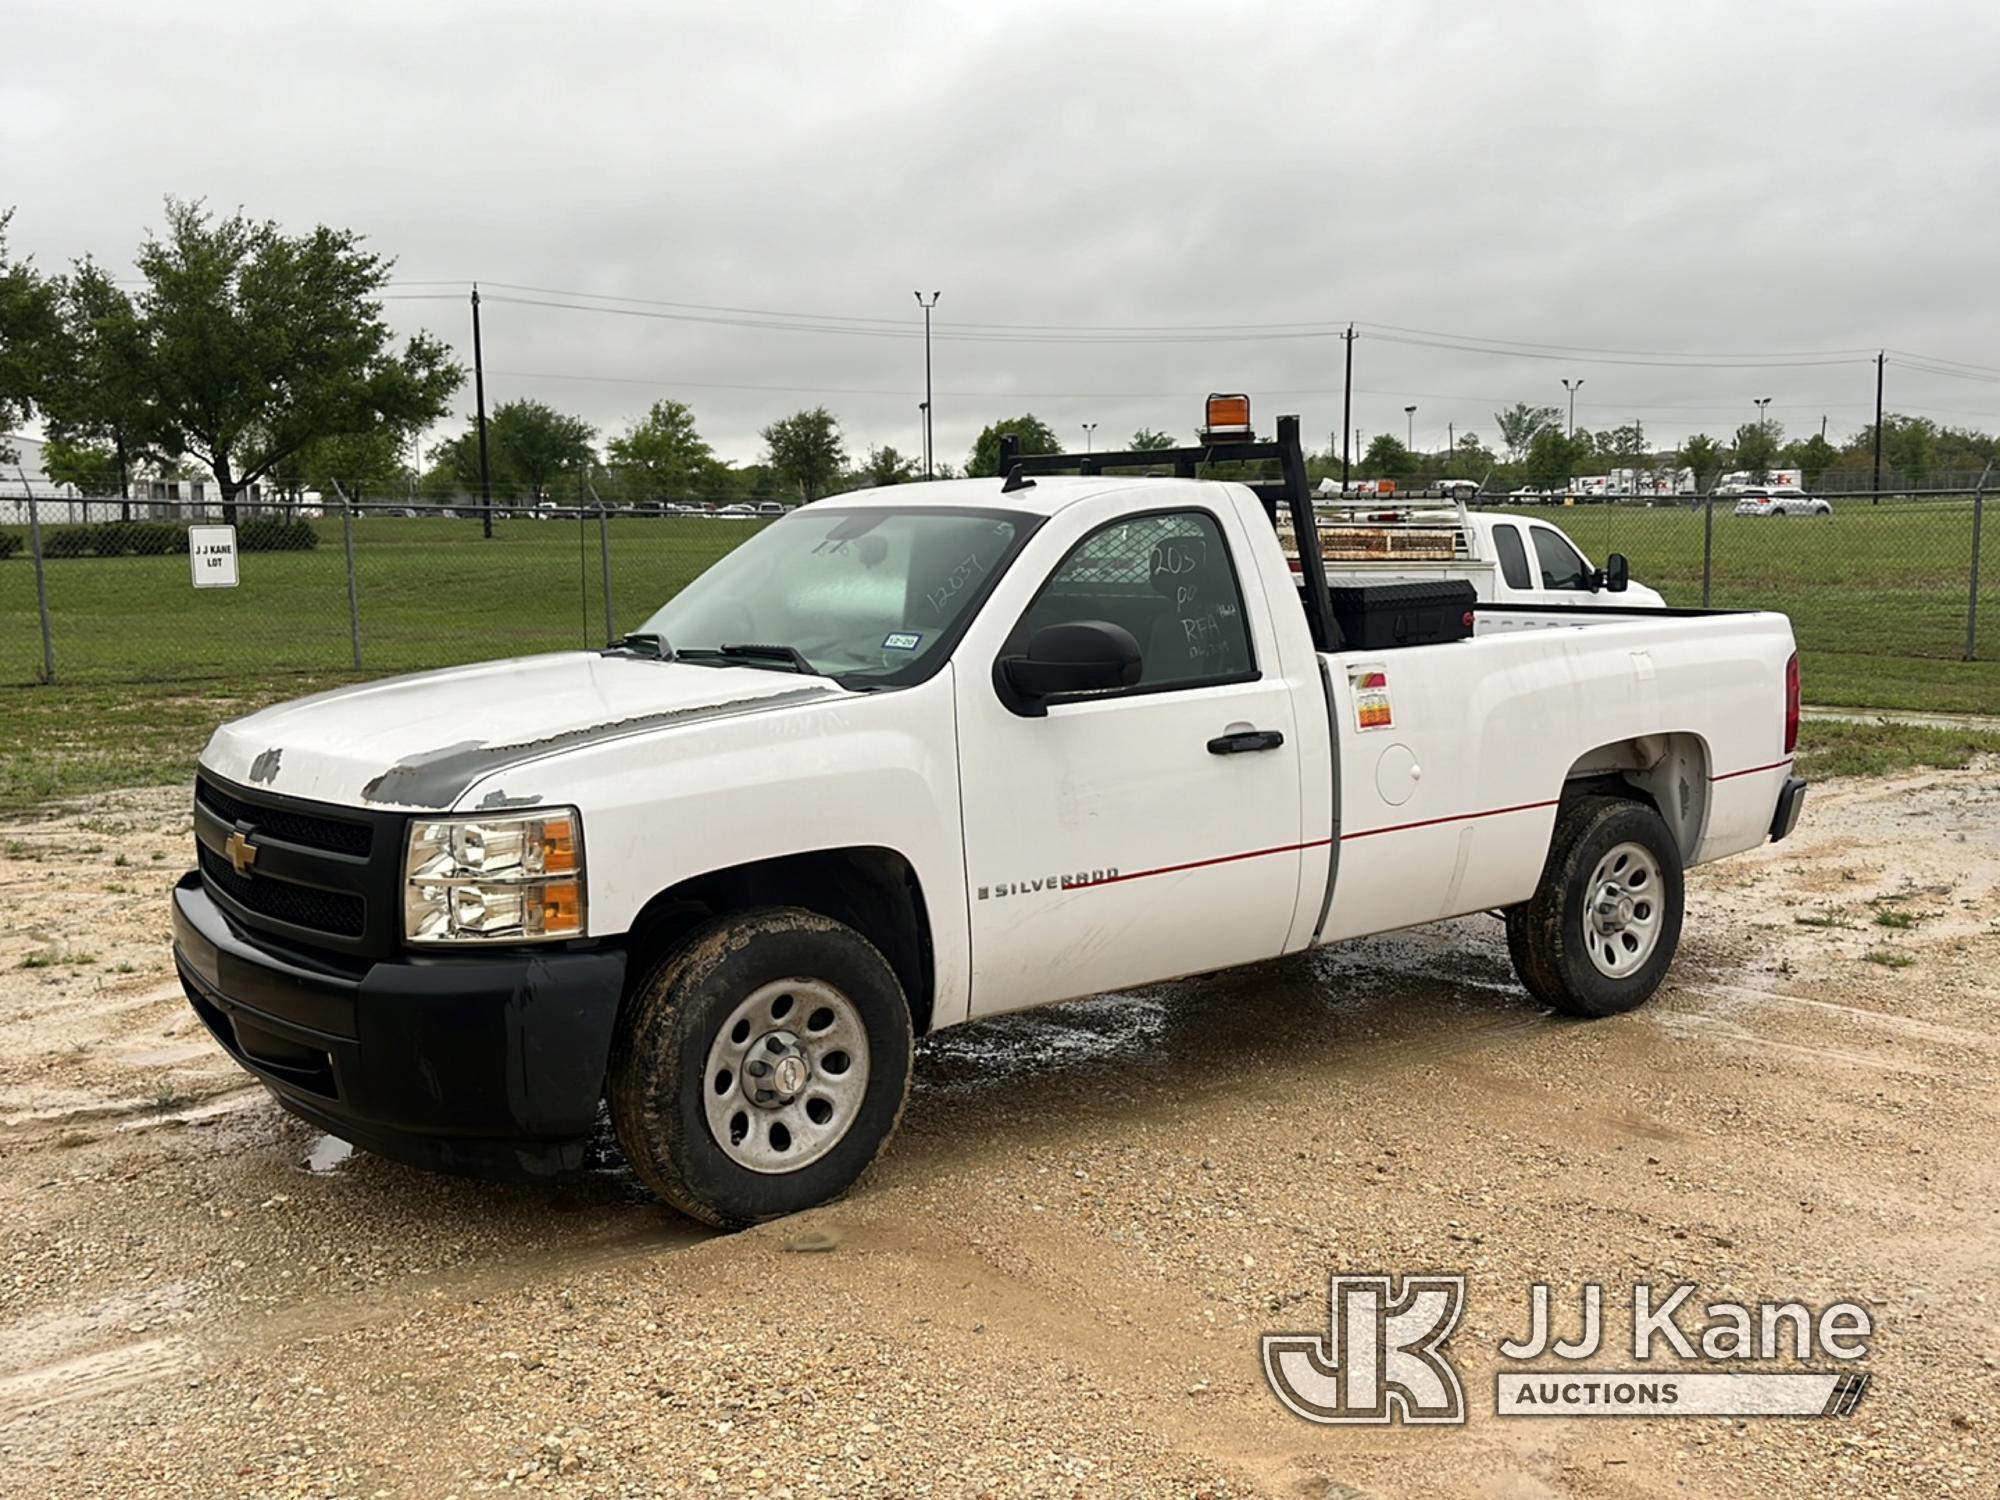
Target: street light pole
{"type": "Point", "coordinates": [930, 444]}
{"type": "Point", "coordinates": [924, 433]}
{"type": "Point", "coordinates": [1572, 387]}
{"type": "Point", "coordinates": [1089, 428]}
{"type": "Point", "coordinates": [1760, 402]}
{"type": "Point", "coordinates": [1410, 429]}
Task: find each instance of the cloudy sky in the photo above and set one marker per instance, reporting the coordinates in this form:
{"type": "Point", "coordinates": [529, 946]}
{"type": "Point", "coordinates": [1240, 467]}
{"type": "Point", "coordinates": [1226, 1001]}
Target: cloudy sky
{"type": "Point", "coordinates": [1686, 205]}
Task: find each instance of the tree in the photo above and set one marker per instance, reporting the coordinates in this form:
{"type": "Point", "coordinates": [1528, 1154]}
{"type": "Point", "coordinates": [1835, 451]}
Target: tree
{"type": "Point", "coordinates": [1472, 456]}
{"type": "Point", "coordinates": [535, 443]}
{"type": "Point", "coordinates": [1756, 447]}
{"type": "Point", "coordinates": [1702, 456]}
{"type": "Point", "coordinates": [82, 467]}
{"type": "Point", "coordinates": [95, 396]}
{"type": "Point", "coordinates": [357, 465]}
{"type": "Point", "coordinates": [752, 482]}
{"type": "Point", "coordinates": [1145, 440]}
{"type": "Point", "coordinates": [1626, 446]}
{"type": "Point", "coordinates": [663, 455]}
{"type": "Point", "coordinates": [1036, 437]}
{"type": "Point", "coordinates": [454, 467]}
{"type": "Point", "coordinates": [1521, 424]}
{"type": "Point", "coordinates": [806, 449]}
{"type": "Point", "coordinates": [1387, 458]}
{"type": "Point", "coordinates": [255, 343]}
{"type": "Point", "coordinates": [29, 324]}
{"type": "Point", "coordinates": [885, 466]}
{"type": "Point", "coordinates": [1552, 459]}
{"type": "Point", "coordinates": [1812, 457]}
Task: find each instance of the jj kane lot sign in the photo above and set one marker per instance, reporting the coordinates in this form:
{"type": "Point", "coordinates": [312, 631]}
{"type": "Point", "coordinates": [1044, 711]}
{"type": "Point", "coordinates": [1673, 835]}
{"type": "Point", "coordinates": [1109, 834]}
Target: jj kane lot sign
{"type": "Point", "coordinates": [212, 556]}
{"type": "Point", "coordinates": [1384, 1357]}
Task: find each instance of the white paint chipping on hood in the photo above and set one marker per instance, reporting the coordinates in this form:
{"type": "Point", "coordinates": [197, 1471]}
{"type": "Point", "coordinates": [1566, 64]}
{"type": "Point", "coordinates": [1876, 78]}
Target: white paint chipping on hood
{"type": "Point", "coordinates": [336, 746]}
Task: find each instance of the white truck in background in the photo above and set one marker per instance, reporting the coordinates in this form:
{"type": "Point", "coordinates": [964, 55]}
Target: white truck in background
{"type": "Point", "coordinates": [915, 756]}
{"type": "Point", "coordinates": [1510, 560]}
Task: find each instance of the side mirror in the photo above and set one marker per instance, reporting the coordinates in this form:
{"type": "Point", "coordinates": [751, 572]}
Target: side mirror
{"type": "Point", "coordinates": [1067, 660]}
{"type": "Point", "coordinates": [1617, 573]}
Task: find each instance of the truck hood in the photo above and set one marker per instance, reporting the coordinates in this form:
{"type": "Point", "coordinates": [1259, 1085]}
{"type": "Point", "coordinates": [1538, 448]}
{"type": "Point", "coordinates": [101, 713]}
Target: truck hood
{"type": "Point", "coordinates": [421, 741]}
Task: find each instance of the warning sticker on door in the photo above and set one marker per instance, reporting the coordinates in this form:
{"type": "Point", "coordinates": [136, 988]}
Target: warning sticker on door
{"type": "Point", "coordinates": [1370, 686]}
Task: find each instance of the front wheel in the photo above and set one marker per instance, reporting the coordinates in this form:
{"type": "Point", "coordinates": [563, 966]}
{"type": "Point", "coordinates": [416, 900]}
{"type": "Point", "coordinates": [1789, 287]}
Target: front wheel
{"type": "Point", "coordinates": [1598, 934]}
{"type": "Point", "coordinates": [761, 1067]}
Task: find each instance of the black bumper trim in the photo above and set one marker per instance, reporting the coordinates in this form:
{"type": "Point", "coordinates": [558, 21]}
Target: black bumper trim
{"type": "Point", "coordinates": [492, 1065]}
{"type": "Point", "coordinates": [1791, 797]}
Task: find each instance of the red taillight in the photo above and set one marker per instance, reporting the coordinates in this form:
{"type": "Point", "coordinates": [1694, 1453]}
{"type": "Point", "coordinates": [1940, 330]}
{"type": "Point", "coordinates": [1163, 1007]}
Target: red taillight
{"type": "Point", "coordinates": [1792, 704]}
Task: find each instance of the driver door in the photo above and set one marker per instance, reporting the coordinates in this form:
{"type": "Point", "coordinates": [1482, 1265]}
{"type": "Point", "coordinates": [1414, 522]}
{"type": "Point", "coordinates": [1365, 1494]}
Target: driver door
{"type": "Point", "coordinates": [1113, 841]}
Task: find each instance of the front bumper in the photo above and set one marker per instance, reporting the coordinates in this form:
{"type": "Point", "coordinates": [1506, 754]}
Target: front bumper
{"type": "Point", "coordinates": [491, 1064]}
{"type": "Point", "coordinates": [1791, 797]}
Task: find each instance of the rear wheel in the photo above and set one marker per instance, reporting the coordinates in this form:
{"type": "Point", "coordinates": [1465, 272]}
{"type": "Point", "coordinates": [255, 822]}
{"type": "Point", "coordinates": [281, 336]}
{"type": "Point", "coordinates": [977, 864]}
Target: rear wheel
{"type": "Point", "coordinates": [762, 1066]}
{"type": "Point", "coordinates": [1597, 936]}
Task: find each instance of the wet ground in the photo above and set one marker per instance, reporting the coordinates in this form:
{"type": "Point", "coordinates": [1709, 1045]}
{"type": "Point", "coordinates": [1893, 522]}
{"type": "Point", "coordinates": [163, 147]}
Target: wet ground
{"type": "Point", "coordinates": [1055, 1282]}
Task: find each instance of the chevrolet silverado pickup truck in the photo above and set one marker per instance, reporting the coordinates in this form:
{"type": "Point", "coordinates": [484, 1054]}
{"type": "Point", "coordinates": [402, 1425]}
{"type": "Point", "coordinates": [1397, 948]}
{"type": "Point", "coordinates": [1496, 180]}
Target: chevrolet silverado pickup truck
{"type": "Point", "coordinates": [915, 756]}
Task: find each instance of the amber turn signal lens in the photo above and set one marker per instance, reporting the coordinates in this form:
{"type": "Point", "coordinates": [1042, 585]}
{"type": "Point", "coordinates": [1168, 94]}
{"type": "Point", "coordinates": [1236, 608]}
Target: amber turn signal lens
{"type": "Point", "coordinates": [561, 909]}
{"type": "Point", "coordinates": [558, 846]}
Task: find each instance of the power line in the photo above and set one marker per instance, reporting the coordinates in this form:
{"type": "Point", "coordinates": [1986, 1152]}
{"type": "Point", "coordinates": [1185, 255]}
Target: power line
{"type": "Point", "coordinates": [1570, 350]}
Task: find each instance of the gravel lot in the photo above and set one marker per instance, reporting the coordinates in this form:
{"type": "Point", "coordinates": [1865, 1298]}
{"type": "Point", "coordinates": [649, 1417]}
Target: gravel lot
{"type": "Point", "coordinates": [1055, 1282]}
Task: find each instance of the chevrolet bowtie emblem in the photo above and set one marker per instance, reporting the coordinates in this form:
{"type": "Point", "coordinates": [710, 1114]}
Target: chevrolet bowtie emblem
{"type": "Point", "coordinates": [242, 853]}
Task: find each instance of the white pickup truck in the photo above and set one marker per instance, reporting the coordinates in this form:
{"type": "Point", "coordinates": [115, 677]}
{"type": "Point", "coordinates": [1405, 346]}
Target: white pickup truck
{"type": "Point", "coordinates": [1507, 559]}
{"type": "Point", "coordinates": [915, 756]}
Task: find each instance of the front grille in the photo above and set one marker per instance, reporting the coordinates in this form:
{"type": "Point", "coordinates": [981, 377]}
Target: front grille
{"type": "Point", "coordinates": [336, 912]}
{"type": "Point", "coordinates": [331, 834]}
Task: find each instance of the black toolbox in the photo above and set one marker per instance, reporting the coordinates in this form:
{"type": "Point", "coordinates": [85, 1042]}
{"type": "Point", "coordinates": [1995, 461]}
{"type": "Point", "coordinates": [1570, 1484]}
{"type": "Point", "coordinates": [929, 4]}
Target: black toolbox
{"type": "Point", "coordinates": [1375, 616]}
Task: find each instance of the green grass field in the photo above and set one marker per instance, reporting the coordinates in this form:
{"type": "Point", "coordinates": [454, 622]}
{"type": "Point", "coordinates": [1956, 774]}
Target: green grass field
{"type": "Point", "coordinates": [1877, 594]}
{"type": "Point", "coordinates": [431, 593]}
{"type": "Point", "coordinates": [146, 665]}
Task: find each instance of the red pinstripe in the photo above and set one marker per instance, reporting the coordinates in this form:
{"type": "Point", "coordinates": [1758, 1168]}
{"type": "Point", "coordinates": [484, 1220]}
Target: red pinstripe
{"type": "Point", "coordinates": [1368, 833]}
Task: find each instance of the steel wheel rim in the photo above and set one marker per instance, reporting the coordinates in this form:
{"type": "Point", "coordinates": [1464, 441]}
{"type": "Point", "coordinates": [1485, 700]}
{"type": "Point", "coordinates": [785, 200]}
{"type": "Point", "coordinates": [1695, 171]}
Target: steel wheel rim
{"type": "Point", "coordinates": [814, 1048]}
{"type": "Point", "coordinates": [1624, 910]}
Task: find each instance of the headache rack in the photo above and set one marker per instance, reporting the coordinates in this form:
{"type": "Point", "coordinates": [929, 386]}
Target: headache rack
{"type": "Point", "coordinates": [1382, 529]}
{"type": "Point", "coordinates": [1288, 501]}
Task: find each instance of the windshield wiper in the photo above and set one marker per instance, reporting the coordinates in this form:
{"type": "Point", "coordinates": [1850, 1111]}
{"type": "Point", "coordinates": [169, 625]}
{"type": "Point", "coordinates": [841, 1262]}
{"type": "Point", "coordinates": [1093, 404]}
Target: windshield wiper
{"type": "Point", "coordinates": [752, 655]}
{"type": "Point", "coordinates": [641, 643]}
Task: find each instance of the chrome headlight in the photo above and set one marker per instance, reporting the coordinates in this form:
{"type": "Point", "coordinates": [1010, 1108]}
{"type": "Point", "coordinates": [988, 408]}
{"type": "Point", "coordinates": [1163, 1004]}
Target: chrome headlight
{"type": "Point", "coordinates": [504, 879]}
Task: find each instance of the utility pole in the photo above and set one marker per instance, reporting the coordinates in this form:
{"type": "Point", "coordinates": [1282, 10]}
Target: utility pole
{"type": "Point", "coordinates": [1450, 441]}
{"type": "Point", "coordinates": [1880, 359]}
{"type": "Point", "coordinates": [1089, 432]}
{"type": "Point", "coordinates": [930, 443]}
{"type": "Point", "coordinates": [479, 399]}
{"type": "Point", "coordinates": [1347, 406]}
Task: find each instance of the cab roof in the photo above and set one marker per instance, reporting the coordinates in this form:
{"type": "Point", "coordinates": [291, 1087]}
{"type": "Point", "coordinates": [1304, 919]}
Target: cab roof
{"type": "Point", "coordinates": [1046, 495]}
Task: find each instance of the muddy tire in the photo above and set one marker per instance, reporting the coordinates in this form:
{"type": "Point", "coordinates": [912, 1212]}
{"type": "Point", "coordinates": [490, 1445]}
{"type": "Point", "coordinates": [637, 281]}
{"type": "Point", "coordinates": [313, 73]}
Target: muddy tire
{"type": "Point", "coordinates": [761, 1066]}
{"type": "Point", "coordinates": [1597, 936]}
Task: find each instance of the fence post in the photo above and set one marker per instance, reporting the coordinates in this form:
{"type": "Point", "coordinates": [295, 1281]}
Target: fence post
{"type": "Point", "coordinates": [353, 593]}
{"type": "Point", "coordinates": [41, 582]}
{"type": "Point", "coordinates": [1707, 543]}
{"type": "Point", "coordinates": [604, 547]}
{"type": "Point", "coordinates": [1972, 599]}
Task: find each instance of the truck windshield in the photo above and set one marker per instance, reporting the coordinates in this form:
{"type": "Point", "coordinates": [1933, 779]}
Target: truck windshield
{"type": "Point", "coordinates": [873, 596]}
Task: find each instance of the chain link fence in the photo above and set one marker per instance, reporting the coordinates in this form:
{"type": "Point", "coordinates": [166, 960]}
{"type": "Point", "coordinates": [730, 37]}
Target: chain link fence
{"type": "Point", "coordinates": [330, 589]}
{"type": "Point", "coordinates": [1888, 594]}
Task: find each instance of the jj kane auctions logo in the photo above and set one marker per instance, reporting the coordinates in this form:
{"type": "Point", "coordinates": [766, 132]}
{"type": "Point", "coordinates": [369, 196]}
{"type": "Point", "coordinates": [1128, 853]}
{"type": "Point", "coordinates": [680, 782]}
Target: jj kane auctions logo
{"type": "Point", "coordinates": [1383, 1357]}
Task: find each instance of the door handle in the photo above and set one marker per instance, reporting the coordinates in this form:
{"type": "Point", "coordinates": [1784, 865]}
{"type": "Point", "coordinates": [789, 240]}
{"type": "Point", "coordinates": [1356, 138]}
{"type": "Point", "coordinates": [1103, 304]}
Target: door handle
{"type": "Point", "coordinates": [1247, 741]}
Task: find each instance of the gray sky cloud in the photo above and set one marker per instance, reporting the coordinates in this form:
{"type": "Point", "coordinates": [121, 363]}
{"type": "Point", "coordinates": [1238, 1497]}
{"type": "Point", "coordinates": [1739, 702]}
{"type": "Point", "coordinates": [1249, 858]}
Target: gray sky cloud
{"type": "Point", "coordinates": [1708, 177]}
